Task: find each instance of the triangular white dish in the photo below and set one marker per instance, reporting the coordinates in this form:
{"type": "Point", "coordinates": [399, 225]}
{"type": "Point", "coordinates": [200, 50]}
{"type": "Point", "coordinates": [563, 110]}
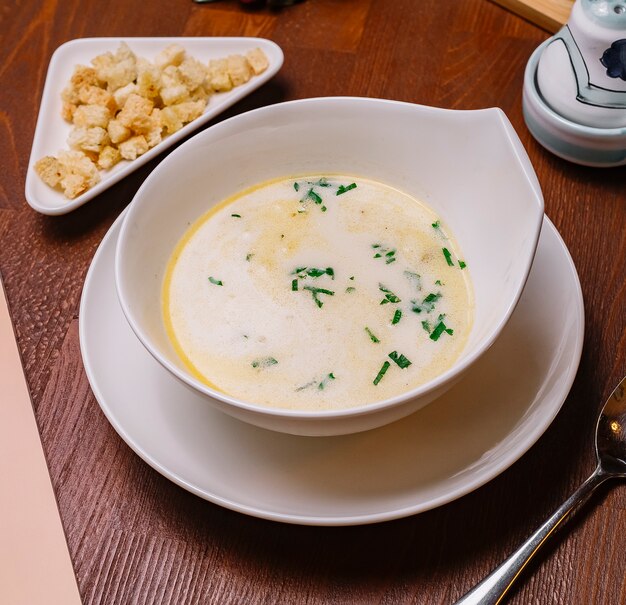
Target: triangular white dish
{"type": "Point", "coordinates": [51, 131]}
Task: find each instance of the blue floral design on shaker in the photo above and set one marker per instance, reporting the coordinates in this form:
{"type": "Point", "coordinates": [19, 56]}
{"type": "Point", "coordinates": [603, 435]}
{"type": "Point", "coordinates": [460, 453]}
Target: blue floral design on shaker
{"type": "Point", "coordinates": [614, 59]}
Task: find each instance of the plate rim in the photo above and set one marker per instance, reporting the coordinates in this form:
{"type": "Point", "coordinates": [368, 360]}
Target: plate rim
{"type": "Point", "coordinates": [504, 462]}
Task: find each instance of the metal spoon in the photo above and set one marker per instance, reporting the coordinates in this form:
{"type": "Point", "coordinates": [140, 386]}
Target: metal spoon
{"type": "Point", "coordinates": [611, 455]}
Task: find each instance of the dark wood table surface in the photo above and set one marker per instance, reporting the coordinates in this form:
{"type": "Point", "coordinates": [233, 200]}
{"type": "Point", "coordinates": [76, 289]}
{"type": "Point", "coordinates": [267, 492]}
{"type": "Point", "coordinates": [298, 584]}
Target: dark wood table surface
{"type": "Point", "coordinates": [135, 537]}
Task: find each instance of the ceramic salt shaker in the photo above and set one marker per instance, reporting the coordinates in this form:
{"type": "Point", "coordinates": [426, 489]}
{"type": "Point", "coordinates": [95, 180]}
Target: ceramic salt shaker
{"type": "Point", "coordinates": [575, 86]}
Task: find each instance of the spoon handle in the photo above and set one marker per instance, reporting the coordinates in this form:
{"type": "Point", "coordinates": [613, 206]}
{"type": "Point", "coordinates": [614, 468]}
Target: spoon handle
{"type": "Point", "coordinates": [491, 590]}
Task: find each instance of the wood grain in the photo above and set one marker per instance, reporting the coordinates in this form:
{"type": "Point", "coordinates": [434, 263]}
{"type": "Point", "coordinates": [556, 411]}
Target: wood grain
{"type": "Point", "coordinates": [136, 538]}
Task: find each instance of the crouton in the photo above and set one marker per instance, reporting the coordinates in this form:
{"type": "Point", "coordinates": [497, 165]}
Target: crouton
{"type": "Point", "coordinates": [239, 69]}
{"type": "Point", "coordinates": [257, 60]}
{"type": "Point", "coordinates": [132, 148]}
{"type": "Point", "coordinates": [134, 107]}
{"type": "Point", "coordinates": [88, 139]}
{"type": "Point", "coordinates": [217, 75]}
{"type": "Point", "coordinates": [92, 115]}
{"type": "Point", "coordinates": [117, 131]}
{"type": "Point", "coordinates": [49, 170]}
{"type": "Point", "coordinates": [108, 157]}
{"type": "Point", "coordinates": [193, 73]}
{"type": "Point", "coordinates": [170, 55]}
{"type": "Point", "coordinates": [94, 95]}
{"type": "Point", "coordinates": [78, 173]}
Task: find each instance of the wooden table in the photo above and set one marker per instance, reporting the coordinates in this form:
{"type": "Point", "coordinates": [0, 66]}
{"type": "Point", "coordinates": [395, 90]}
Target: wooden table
{"type": "Point", "coordinates": [135, 537]}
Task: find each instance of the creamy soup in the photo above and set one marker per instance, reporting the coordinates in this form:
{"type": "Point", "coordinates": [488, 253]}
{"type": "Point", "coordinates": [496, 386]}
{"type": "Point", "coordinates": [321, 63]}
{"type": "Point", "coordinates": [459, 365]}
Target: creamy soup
{"type": "Point", "coordinates": [317, 293]}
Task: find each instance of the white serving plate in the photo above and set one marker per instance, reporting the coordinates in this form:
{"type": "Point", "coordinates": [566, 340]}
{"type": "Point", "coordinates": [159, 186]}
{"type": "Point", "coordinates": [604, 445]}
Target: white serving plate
{"type": "Point", "coordinates": [447, 449]}
{"type": "Point", "coordinates": [52, 130]}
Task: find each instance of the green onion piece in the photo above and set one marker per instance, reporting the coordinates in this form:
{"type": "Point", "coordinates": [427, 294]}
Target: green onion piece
{"type": "Point", "coordinates": [296, 186]}
{"type": "Point", "coordinates": [400, 359]}
{"type": "Point", "coordinates": [381, 372]}
{"type": "Point", "coordinates": [438, 283]}
{"type": "Point", "coordinates": [426, 326]}
{"type": "Point", "coordinates": [313, 272]}
{"type": "Point", "coordinates": [375, 245]}
{"type": "Point", "coordinates": [437, 224]}
{"type": "Point", "coordinates": [326, 380]}
{"type": "Point", "coordinates": [350, 289]}
{"type": "Point", "coordinates": [396, 317]}
{"type": "Point", "coordinates": [311, 194]}
{"type": "Point", "coordinates": [322, 182]}
{"type": "Point", "coordinates": [249, 256]}
{"type": "Point", "coordinates": [330, 271]}
{"type": "Point", "coordinates": [236, 215]}
{"type": "Point", "coordinates": [462, 264]}
{"type": "Point", "coordinates": [440, 328]}
{"type": "Point", "coordinates": [351, 277]}
{"type": "Point", "coordinates": [323, 208]}
{"type": "Point", "coordinates": [371, 335]}
{"type": "Point", "coordinates": [448, 256]}
{"type": "Point", "coordinates": [390, 297]}
{"type": "Point", "coordinates": [294, 285]}
{"type": "Point", "coordinates": [342, 189]}
{"type": "Point", "coordinates": [264, 362]}
{"type": "Point", "coordinates": [316, 291]}
{"type": "Point", "coordinates": [217, 282]}
{"type": "Point", "coordinates": [427, 305]}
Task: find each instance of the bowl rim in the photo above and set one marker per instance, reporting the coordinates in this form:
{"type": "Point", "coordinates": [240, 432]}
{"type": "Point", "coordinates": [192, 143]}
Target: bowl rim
{"type": "Point", "coordinates": [432, 386]}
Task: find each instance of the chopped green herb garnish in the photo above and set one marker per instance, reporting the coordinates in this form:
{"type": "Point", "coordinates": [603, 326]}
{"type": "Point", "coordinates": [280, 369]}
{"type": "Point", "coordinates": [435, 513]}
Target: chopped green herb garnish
{"type": "Point", "coordinates": [323, 182]}
{"type": "Point", "coordinates": [426, 326]}
{"type": "Point", "coordinates": [390, 297]}
{"type": "Point", "coordinates": [427, 305]}
{"type": "Point", "coordinates": [438, 283]}
{"type": "Point", "coordinates": [448, 256]}
{"type": "Point", "coordinates": [294, 285]}
{"type": "Point", "coordinates": [381, 372]}
{"type": "Point", "coordinates": [323, 208]}
{"type": "Point", "coordinates": [249, 256]}
{"type": "Point", "coordinates": [217, 282]}
{"type": "Point", "coordinates": [462, 264]}
{"type": "Point", "coordinates": [387, 253]}
{"type": "Point", "coordinates": [264, 362]}
{"type": "Point", "coordinates": [396, 317]}
{"type": "Point", "coordinates": [312, 195]}
{"type": "Point", "coordinates": [350, 289]}
{"type": "Point", "coordinates": [343, 188]}
{"type": "Point", "coordinates": [437, 224]}
{"type": "Point", "coordinates": [326, 380]}
{"type": "Point", "coordinates": [351, 277]}
{"type": "Point", "coordinates": [316, 291]}
{"type": "Point", "coordinates": [313, 272]}
{"type": "Point", "coordinates": [236, 215]}
{"type": "Point", "coordinates": [303, 272]}
{"type": "Point", "coordinates": [296, 186]}
{"type": "Point", "coordinates": [400, 359]}
{"type": "Point", "coordinates": [440, 328]}
{"type": "Point", "coordinates": [372, 336]}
